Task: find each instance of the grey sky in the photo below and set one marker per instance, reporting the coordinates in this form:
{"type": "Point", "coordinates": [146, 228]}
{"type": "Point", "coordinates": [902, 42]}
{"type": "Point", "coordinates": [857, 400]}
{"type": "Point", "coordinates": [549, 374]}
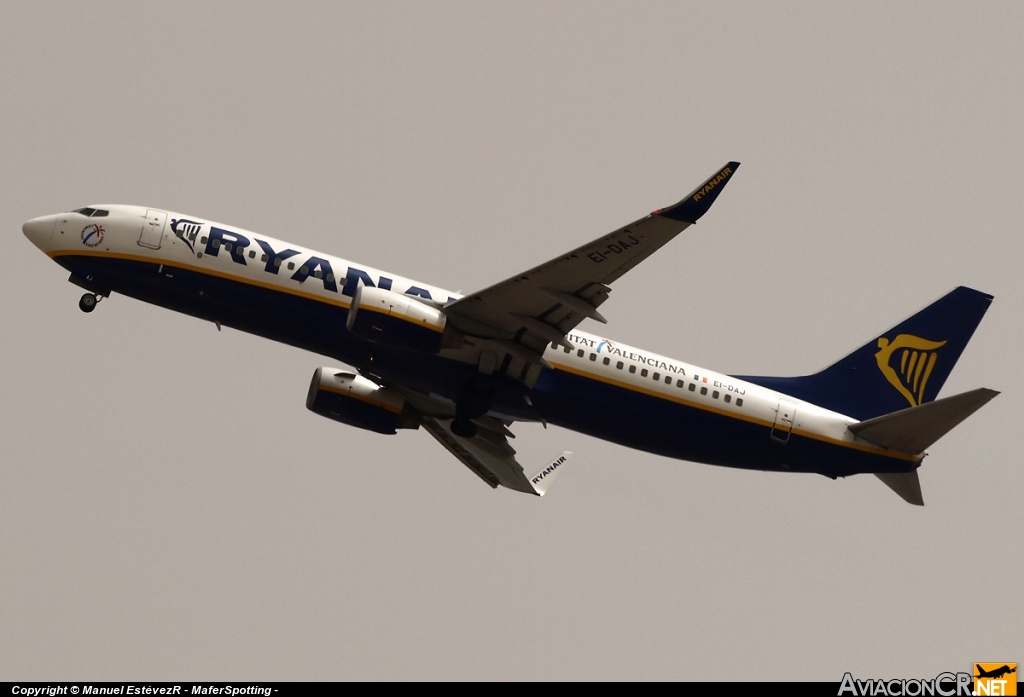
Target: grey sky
{"type": "Point", "coordinates": [168, 507]}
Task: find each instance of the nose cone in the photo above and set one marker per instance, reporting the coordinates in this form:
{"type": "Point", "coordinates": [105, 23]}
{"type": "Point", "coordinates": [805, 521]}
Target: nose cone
{"type": "Point", "coordinates": [38, 230]}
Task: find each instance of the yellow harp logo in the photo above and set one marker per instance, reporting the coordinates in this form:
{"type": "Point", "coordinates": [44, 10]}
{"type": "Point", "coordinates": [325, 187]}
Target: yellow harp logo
{"type": "Point", "coordinates": [917, 358]}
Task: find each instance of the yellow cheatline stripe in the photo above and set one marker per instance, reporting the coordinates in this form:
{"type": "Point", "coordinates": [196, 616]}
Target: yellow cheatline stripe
{"type": "Point", "coordinates": [360, 397]}
{"type": "Point", "coordinates": [394, 313]}
{"type": "Point", "coordinates": [733, 414]}
{"type": "Point", "coordinates": [345, 303]}
{"type": "Point", "coordinates": [340, 302]}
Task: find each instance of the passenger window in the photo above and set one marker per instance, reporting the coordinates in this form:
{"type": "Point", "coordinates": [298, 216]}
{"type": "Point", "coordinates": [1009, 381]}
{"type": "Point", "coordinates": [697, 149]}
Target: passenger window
{"type": "Point", "coordinates": [668, 380]}
{"type": "Point", "coordinates": [593, 356]}
{"type": "Point", "coordinates": [303, 270]}
{"type": "Point", "coordinates": [264, 259]}
{"type": "Point", "coordinates": [607, 360]}
{"type": "Point", "coordinates": [227, 247]}
{"type": "Point", "coordinates": [692, 387]}
{"type": "Point", "coordinates": [727, 398]}
{"type": "Point", "coordinates": [632, 368]}
{"type": "Point", "coordinates": [656, 377]}
{"type": "Point", "coordinates": [318, 273]}
{"type": "Point", "coordinates": [291, 265]}
{"type": "Point", "coordinates": [579, 354]}
{"type": "Point", "coordinates": [277, 262]}
{"type": "Point", "coordinates": [330, 277]}
{"type": "Point", "coordinates": [568, 350]}
{"type": "Point", "coordinates": [679, 383]}
{"type": "Point", "coordinates": [619, 365]}
{"type": "Point", "coordinates": [714, 394]}
{"type": "Point", "coordinates": [252, 254]}
{"type": "Point", "coordinates": [202, 240]}
{"type": "Point", "coordinates": [216, 244]}
{"type": "Point", "coordinates": [703, 390]}
{"type": "Point", "coordinates": [739, 401]}
{"type": "Point", "coordinates": [643, 373]}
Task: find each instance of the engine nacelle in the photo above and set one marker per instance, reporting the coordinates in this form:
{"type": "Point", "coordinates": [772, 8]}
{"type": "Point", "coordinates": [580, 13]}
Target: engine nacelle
{"type": "Point", "coordinates": [390, 318]}
{"type": "Point", "coordinates": [356, 401]}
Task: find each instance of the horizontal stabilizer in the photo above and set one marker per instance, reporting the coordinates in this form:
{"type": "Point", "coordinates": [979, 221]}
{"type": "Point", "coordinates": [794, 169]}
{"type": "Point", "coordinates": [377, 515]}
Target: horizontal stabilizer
{"type": "Point", "coordinates": [913, 430]}
{"type": "Point", "coordinates": [906, 484]}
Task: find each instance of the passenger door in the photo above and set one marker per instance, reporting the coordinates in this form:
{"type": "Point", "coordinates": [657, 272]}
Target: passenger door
{"type": "Point", "coordinates": [785, 414]}
{"type": "Point", "coordinates": [153, 229]}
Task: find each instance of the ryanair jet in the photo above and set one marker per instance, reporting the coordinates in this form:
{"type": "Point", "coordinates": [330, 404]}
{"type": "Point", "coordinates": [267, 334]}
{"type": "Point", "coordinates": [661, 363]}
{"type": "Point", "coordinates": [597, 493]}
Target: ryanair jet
{"type": "Point", "coordinates": [466, 368]}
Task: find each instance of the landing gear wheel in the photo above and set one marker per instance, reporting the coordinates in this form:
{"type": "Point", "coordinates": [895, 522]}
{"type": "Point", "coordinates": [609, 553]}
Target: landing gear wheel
{"type": "Point", "coordinates": [464, 428]}
{"type": "Point", "coordinates": [88, 302]}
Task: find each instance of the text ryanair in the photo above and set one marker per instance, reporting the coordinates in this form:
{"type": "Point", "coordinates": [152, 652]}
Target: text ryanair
{"type": "Point", "coordinates": [549, 469]}
{"type": "Point", "coordinates": [709, 187]}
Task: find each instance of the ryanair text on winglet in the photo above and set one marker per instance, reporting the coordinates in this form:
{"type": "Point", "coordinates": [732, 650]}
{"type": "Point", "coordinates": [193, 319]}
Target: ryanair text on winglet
{"type": "Point", "coordinates": [549, 469]}
{"type": "Point", "coordinates": [707, 188]}
{"type": "Point", "coordinates": [943, 685]}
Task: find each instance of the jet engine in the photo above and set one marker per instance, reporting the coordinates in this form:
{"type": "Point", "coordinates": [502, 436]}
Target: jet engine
{"type": "Point", "coordinates": [393, 319]}
{"type": "Point", "coordinates": [356, 401]}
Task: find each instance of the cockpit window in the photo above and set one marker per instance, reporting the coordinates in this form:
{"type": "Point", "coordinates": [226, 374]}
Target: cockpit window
{"type": "Point", "coordinates": [99, 213]}
{"type": "Point", "coordinates": [86, 211]}
{"type": "Point", "coordinates": [92, 212]}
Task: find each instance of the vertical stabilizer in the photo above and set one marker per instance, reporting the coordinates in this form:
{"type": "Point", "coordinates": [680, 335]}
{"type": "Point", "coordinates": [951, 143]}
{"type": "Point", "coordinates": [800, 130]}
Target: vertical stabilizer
{"type": "Point", "coordinates": [903, 367]}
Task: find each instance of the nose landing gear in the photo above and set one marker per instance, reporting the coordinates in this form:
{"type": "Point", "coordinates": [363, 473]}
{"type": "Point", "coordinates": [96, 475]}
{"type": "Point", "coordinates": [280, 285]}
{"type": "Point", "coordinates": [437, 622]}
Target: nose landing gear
{"type": "Point", "coordinates": [88, 302]}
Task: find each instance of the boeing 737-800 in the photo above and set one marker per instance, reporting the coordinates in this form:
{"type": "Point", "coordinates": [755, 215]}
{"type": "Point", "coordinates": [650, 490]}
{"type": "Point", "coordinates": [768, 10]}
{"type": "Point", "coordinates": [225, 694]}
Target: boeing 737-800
{"type": "Point", "coordinates": [465, 368]}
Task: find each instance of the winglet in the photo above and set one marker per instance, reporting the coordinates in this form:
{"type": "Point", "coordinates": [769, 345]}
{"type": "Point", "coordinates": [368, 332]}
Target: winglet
{"type": "Point", "coordinates": [543, 480]}
{"type": "Point", "coordinates": [691, 208]}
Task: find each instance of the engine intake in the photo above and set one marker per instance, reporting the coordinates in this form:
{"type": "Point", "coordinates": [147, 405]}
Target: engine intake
{"type": "Point", "coordinates": [390, 318]}
{"type": "Point", "coordinates": [356, 401]}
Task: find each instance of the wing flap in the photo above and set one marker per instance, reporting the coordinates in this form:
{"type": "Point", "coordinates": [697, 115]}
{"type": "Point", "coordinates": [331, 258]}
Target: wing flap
{"type": "Point", "coordinates": [489, 456]}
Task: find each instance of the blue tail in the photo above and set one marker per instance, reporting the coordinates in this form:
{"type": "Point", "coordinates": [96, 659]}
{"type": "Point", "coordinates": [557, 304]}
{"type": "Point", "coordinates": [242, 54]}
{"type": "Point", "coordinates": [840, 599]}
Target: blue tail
{"type": "Point", "coordinates": [904, 367]}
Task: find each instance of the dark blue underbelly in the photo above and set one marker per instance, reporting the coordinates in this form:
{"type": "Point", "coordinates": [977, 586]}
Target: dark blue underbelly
{"type": "Point", "coordinates": [605, 411]}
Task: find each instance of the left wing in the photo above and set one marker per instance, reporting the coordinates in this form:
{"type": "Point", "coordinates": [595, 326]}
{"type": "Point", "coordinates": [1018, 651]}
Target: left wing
{"type": "Point", "coordinates": [489, 456]}
{"type": "Point", "coordinates": [539, 306]}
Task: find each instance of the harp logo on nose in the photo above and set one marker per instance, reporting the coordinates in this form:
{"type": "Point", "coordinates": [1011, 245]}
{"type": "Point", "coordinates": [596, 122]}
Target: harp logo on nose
{"type": "Point", "coordinates": [907, 362]}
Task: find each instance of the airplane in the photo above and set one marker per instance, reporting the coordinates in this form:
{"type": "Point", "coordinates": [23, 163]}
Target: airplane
{"type": "Point", "coordinates": [996, 673]}
{"type": "Point", "coordinates": [466, 367]}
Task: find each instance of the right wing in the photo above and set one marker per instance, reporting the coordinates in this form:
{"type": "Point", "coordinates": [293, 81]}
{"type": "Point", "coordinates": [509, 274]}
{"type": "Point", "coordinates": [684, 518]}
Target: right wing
{"type": "Point", "coordinates": [524, 313]}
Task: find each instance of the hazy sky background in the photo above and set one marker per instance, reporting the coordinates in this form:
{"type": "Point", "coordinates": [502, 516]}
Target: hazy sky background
{"type": "Point", "coordinates": [165, 514]}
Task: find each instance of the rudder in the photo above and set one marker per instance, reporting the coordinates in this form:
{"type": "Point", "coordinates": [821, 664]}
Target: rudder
{"type": "Point", "coordinates": [903, 367]}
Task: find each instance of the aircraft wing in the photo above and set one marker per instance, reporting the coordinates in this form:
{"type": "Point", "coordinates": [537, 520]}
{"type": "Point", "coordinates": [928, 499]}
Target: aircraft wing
{"type": "Point", "coordinates": [543, 304]}
{"type": "Point", "coordinates": [489, 456]}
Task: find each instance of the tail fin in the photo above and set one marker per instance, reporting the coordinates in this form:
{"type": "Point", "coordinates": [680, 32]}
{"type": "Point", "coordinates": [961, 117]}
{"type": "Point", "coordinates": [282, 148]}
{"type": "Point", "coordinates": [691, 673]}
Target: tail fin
{"type": "Point", "coordinates": [904, 367]}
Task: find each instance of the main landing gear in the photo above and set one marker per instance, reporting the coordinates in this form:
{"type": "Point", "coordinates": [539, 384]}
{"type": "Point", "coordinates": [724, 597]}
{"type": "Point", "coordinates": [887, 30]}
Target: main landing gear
{"type": "Point", "coordinates": [88, 302]}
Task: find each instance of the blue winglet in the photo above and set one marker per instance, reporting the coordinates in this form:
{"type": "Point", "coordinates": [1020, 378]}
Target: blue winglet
{"type": "Point", "coordinates": [691, 208]}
